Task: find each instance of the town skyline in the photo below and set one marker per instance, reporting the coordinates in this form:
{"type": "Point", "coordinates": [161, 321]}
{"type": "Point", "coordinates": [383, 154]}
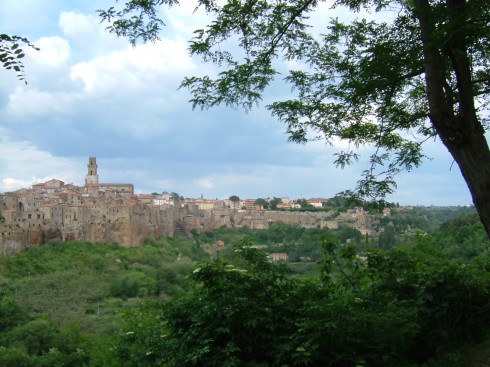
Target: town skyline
{"type": "Point", "coordinates": [91, 179]}
{"type": "Point", "coordinates": [92, 186]}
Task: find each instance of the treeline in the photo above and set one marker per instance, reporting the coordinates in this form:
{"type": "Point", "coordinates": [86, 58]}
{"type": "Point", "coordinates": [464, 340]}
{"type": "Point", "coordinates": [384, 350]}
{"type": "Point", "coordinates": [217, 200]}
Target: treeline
{"type": "Point", "coordinates": [299, 243]}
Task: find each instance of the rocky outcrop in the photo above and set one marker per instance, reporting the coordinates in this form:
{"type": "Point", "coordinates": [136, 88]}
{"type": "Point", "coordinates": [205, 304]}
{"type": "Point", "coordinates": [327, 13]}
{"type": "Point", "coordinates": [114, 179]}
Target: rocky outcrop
{"type": "Point", "coordinates": [129, 225]}
{"type": "Point", "coordinates": [112, 213]}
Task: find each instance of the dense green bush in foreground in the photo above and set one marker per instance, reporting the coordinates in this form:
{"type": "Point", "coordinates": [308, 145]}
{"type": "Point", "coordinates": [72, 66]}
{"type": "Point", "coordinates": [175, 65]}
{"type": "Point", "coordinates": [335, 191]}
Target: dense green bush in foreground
{"type": "Point", "coordinates": [402, 307]}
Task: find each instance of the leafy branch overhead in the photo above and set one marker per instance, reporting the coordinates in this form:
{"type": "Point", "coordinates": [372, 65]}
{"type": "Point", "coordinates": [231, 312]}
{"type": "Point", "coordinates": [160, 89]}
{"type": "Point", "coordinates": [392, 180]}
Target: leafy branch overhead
{"type": "Point", "coordinates": [138, 19]}
{"type": "Point", "coordinates": [410, 72]}
{"type": "Point", "coordinates": [339, 95]}
{"type": "Point", "coordinates": [11, 53]}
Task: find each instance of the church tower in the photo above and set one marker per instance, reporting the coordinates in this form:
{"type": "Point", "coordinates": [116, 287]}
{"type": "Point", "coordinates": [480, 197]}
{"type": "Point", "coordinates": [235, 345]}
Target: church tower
{"type": "Point", "coordinates": [91, 177]}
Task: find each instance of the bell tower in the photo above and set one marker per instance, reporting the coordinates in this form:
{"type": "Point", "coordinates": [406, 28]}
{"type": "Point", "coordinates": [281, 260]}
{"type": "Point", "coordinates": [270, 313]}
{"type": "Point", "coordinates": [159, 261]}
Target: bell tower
{"type": "Point", "coordinates": [92, 177]}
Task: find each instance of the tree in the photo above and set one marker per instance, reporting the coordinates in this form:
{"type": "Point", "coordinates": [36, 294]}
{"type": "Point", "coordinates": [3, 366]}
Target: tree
{"type": "Point", "coordinates": [262, 202]}
{"type": "Point", "coordinates": [10, 311]}
{"type": "Point", "coordinates": [398, 307]}
{"type": "Point", "coordinates": [389, 85]}
{"type": "Point", "coordinates": [235, 202]}
{"type": "Point", "coordinates": [303, 203]}
{"type": "Point", "coordinates": [273, 203]}
{"type": "Point", "coordinates": [176, 196]}
{"type": "Point", "coordinates": [387, 237]}
{"type": "Point", "coordinates": [245, 319]}
{"type": "Point", "coordinates": [11, 54]}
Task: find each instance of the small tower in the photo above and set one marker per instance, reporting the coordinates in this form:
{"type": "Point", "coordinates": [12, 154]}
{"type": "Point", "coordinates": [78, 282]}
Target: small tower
{"type": "Point", "coordinates": [92, 177]}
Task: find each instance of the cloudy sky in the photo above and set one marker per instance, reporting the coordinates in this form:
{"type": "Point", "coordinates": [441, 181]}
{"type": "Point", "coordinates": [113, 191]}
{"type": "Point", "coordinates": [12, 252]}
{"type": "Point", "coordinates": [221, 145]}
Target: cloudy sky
{"type": "Point", "coordinates": [92, 94]}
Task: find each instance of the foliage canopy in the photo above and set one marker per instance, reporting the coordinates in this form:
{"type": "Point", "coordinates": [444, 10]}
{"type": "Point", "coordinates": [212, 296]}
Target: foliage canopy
{"type": "Point", "coordinates": [395, 308]}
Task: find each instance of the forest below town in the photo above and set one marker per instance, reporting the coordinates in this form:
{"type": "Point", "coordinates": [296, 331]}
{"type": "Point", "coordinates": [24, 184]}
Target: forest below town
{"type": "Point", "coordinates": [416, 295]}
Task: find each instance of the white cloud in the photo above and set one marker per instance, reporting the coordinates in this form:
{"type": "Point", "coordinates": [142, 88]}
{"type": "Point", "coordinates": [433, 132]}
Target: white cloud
{"type": "Point", "coordinates": [75, 24]}
{"type": "Point", "coordinates": [134, 67]}
{"type": "Point", "coordinates": [90, 93]}
{"type": "Point", "coordinates": [39, 102]}
{"type": "Point", "coordinates": [183, 20]}
{"type": "Point", "coordinates": [53, 52]}
{"type": "Point", "coordinates": [24, 164]}
{"type": "Point", "coordinates": [88, 35]}
{"type": "Point", "coordinates": [9, 184]}
{"type": "Point", "coordinates": [205, 183]}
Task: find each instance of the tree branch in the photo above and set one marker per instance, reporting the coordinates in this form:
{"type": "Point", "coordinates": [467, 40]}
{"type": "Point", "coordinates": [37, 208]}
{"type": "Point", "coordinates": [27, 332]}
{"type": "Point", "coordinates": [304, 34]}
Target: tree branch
{"type": "Point", "coordinates": [282, 31]}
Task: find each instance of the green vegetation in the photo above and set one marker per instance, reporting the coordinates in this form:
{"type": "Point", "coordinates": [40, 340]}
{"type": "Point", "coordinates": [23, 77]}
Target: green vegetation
{"type": "Point", "coordinates": [388, 85]}
{"type": "Point", "coordinates": [402, 307]}
{"type": "Point", "coordinates": [262, 202]}
{"type": "Point", "coordinates": [337, 301]}
{"type": "Point", "coordinates": [402, 226]}
{"type": "Point", "coordinates": [61, 304]}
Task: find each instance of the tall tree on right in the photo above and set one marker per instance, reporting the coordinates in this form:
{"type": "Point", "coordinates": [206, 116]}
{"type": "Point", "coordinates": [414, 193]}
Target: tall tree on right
{"type": "Point", "coordinates": [456, 57]}
{"type": "Point", "coordinates": [391, 85]}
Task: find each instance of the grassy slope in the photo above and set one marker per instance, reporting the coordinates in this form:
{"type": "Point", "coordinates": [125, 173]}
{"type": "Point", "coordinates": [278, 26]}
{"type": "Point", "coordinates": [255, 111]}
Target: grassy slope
{"type": "Point", "coordinates": [86, 283]}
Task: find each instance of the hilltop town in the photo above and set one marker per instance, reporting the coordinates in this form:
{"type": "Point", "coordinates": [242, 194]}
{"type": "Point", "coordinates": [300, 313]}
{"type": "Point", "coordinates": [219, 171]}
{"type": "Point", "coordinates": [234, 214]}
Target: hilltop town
{"type": "Point", "coordinates": [113, 213]}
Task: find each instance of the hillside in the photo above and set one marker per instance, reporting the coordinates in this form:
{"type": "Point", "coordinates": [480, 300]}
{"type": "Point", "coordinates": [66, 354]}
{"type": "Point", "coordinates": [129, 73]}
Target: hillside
{"type": "Point", "coordinates": [74, 291]}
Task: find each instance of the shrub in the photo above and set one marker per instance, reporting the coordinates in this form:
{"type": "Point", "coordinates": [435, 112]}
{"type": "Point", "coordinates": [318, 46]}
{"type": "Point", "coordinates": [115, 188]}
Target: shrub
{"type": "Point", "coordinates": [132, 284]}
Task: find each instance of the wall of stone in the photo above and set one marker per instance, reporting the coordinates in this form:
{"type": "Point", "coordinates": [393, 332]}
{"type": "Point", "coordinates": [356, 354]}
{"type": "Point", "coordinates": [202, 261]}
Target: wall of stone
{"type": "Point", "coordinates": [129, 225]}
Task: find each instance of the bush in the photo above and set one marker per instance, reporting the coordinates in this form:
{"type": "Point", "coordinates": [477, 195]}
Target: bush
{"type": "Point", "coordinates": [133, 284]}
{"type": "Point", "coordinates": [399, 307]}
{"type": "Point", "coordinates": [13, 357]}
{"type": "Point", "coordinates": [10, 311]}
{"type": "Point", "coordinates": [97, 262]}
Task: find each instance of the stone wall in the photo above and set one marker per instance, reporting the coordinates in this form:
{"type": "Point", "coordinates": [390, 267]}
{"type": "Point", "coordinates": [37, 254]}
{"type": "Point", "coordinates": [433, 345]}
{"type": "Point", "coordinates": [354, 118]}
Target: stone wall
{"type": "Point", "coordinates": [129, 225]}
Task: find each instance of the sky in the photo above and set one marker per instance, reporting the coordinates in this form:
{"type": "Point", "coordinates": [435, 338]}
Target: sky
{"type": "Point", "coordinates": [90, 93]}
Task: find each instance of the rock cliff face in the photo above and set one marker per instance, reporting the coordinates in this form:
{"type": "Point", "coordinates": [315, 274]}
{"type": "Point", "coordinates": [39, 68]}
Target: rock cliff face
{"type": "Point", "coordinates": [130, 225]}
{"type": "Point", "coordinates": [12, 239]}
{"type": "Point", "coordinates": [112, 213]}
{"type": "Point", "coordinates": [129, 228]}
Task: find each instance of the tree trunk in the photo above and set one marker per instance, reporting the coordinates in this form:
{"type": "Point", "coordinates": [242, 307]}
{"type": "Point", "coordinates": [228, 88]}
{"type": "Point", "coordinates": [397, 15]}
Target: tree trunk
{"type": "Point", "coordinates": [473, 160]}
{"type": "Point", "coordinates": [452, 111]}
